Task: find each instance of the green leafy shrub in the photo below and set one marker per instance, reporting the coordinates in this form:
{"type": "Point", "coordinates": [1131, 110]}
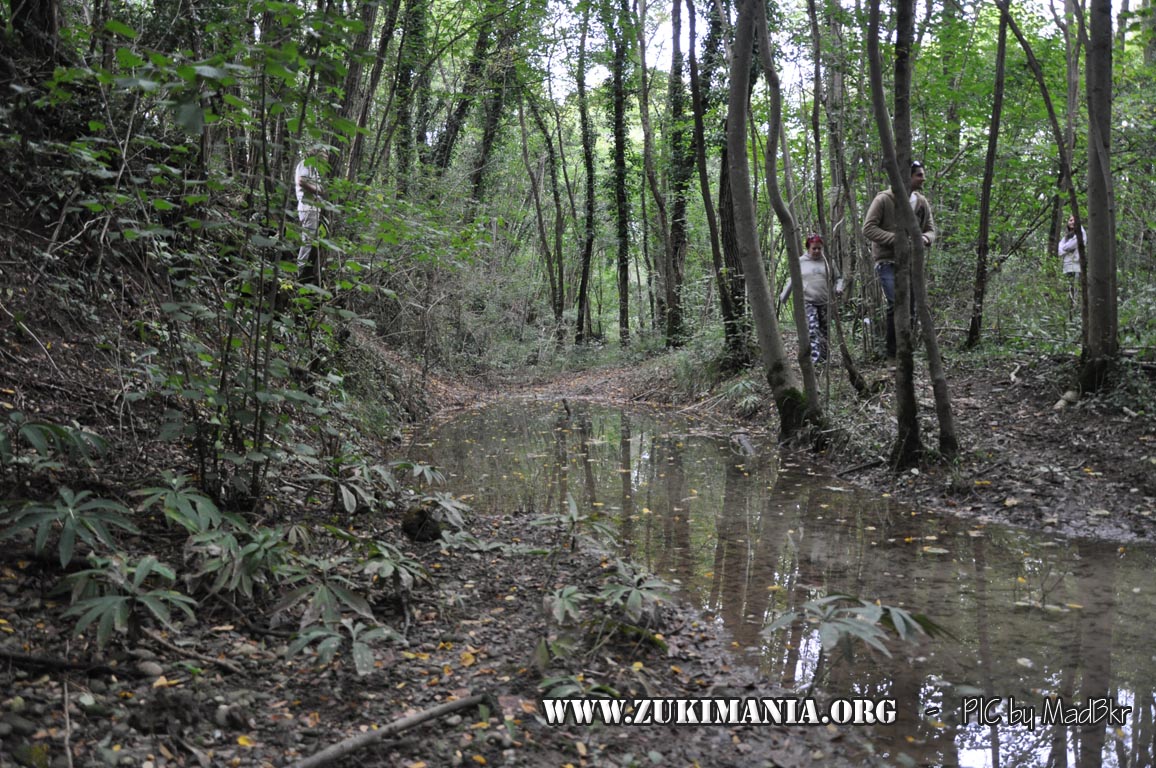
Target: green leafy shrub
{"type": "Point", "coordinates": [32, 448]}
{"type": "Point", "coordinates": [184, 506]}
{"type": "Point", "coordinates": [72, 516]}
{"type": "Point", "coordinates": [636, 594]}
{"type": "Point", "coordinates": [322, 591]}
{"type": "Point", "coordinates": [114, 594]}
{"type": "Point", "coordinates": [329, 641]}
{"type": "Point", "coordinates": [841, 619]}
{"type": "Point", "coordinates": [238, 561]}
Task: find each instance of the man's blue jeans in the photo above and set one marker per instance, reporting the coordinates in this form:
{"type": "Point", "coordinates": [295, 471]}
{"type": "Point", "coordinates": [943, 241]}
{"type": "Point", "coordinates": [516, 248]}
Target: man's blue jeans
{"type": "Point", "coordinates": [885, 271]}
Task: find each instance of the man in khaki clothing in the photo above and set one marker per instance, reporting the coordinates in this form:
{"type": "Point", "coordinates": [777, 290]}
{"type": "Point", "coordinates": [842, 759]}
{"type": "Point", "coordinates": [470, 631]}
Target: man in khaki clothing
{"type": "Point", "coordinates": [880, 227]}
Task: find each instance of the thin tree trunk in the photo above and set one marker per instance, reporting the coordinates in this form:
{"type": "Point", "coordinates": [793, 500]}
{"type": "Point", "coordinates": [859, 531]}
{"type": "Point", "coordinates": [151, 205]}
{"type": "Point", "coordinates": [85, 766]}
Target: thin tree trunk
{"type": "Point", "coordinates": [1102, 342]}
{"type": "Point", "coordinates": [786, 217]}
{"type": "Point", "coordinates": [908, 448]}
{"type": "Point", "coordinates": [843, 240]}
{"type": "Point", "coordinates": [975, 329]}
{"type": "Point", "coordinates": [816, 99]}
{"type": "Point", "coordinates": [789, 400]}
{"type": "Point", "coordinates": [558, 297]}
{"type": "Point", "coordinates": [681, 168]}
{"type": "Point", "coordinates": [666, 286]}
{"type": "Point", "coordinates": [351, 91]}
{"type": "Point", "coordinates": [413, 45]}
{"type": "Point", "coordinates": [622, 207]}
{"type": "Point", "coordinates": [543, 238]}
{"type": "Point", "coordinates": [583, 330]}
{"type": "Point", "coordinates": [732, 325]}
{"type": "Point", "coordinates": [1066, 182]}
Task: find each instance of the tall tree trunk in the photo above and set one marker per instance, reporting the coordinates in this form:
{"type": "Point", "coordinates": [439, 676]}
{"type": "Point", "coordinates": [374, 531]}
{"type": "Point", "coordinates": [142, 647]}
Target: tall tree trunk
{"type": "Point", "coordinates": [681, 168]}
{"type": "Point", "coordinates": [621, 206]}
{"type": "Point", "coordinates": [548, 256]}
{"type": "Point", "coordinates": [816, 100]}
{"type": "Point", "coordinates": [353, 170]}
{"type": "Point", "coordinates": [413, 46]}
{"type": "Point", "coordinates": [843, 241]}
{"type": "Point", "coordinates": [716, 60]}
{"type": "Point", "coordinates": [503, 70]}
{"type": "Point", "coordinates": [1072, 54]}
{"type": "Point", "coordinates": [786, 217]}
{"type": "Point", "coordinates": [351, 91]}
{"type": "Point", "coordinates": [443, 151]}
{"type": "Point", "coordinates": [558, 298]}
{"type": "Point", "coordinates": [908, 448]}
{"type": "Point", "coordinates": [665, 290]}
{"type": "Point", "coordinates": [975, 329]}
{"type": "Point", "coordinates": [583, 330]}
{"type": "Point", "coordinates": [790, 402]}
{"type": "Point", "coordinates": [733, 332]}
{"type": "Point", "coordinates": [1102, 340]}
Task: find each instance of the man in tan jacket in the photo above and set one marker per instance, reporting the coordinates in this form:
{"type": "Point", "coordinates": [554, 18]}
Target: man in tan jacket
{"type": "Point", "coordinates": [880, 226]}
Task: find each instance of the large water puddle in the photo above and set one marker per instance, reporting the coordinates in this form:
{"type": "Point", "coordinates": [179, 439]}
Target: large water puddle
{"type": "Point", "coordinates": [746, 539]}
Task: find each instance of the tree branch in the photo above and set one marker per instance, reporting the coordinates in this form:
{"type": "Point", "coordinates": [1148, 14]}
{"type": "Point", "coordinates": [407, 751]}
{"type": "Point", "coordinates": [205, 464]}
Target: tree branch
{"type": "Point", "coordinates": [343, 748]}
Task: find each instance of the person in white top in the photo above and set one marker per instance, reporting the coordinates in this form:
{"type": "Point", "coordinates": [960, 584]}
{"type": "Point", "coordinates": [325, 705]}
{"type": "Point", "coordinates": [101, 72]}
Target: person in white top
{"type": "Point", "coordinates": [307, 180]}
{"type": "Point", "coordinates": [817, 280]}
{"type": "Point", "coordinates": [1070, 254]}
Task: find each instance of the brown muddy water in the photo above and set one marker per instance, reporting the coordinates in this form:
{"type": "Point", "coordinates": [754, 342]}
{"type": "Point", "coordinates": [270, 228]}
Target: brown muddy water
{"type": "Point", "coordinates": [746, 539]}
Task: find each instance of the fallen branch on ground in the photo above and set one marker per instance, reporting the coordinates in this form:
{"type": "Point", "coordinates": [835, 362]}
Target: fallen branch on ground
{"type": "Point", "coordinates": [223, 663]}
{"type": "Point", "coordinates": [343, 748]}
{"type": "Point", "coordinates": [856, 468]}
{"type": "Point", "coordinates": [88, 667]}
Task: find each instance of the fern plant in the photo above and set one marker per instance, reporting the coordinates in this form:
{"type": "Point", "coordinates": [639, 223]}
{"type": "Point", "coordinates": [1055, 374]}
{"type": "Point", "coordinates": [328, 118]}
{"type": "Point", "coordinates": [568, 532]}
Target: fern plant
{"type": "Point", "coordinates": [184, 505]}
{"type": "Point", "coordinates": [72, 516]}
{"type": "Point", "coordinates": [113, 594]}
{"type": "Point", "coordinates": [323, 592]}
{"type": "Point", "coordinates": [329, 640]}
{"type": "Point", "coordinates": [31, 448]}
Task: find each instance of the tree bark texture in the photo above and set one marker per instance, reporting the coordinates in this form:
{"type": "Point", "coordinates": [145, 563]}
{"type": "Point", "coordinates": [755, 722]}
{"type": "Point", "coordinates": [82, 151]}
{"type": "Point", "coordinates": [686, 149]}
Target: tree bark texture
{"type": "Point", "coordinates": [975, 328]}
{"type": "Point", "coordinates": [733, 331]}
{"type": "Point", "coordinates": [1101, 270]}
{"type": "Point", "coordinates": [789, 400]}
{"type": "Point", "coordinates": [786, 217]}
{"type": "Point", "coordinates": [908, 448]}
{"type": "Point", "coordinates": [583, 330]}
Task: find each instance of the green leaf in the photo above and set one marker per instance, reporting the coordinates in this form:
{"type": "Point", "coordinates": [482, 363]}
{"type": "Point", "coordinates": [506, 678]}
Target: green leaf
{"type": "Point", "coordinates": [67, 544]}
{"type": "Point", "coordinates": [127, 58]}
{"type": "Point", "coordinates": [634, 604]}
{"type": "Point", "coordinates": [362, 659]}
{"type": "Point", "coordinates": [348, 499]}
{"type": "Point", "coordinates": [157, 607]}
{"type": "Point", "coordinates": [191, 117]}
{"type": "Point", "coordinates": [120, 28]}
{"type": "Point", "coordinates": [354, 601]}
{"type": "Point", "coordinates": [212, 73]}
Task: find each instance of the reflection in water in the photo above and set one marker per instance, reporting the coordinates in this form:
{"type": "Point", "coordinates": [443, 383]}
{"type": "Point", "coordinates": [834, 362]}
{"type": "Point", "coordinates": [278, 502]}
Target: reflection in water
{"type": "Point", "coordinates": [746, 539]}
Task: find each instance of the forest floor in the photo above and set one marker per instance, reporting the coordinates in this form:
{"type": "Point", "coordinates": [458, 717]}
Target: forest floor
{"type": "Point", "coordinates": [221, 690]}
